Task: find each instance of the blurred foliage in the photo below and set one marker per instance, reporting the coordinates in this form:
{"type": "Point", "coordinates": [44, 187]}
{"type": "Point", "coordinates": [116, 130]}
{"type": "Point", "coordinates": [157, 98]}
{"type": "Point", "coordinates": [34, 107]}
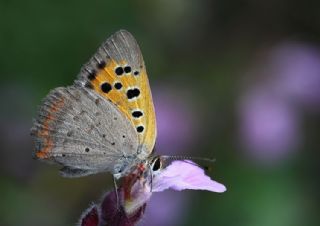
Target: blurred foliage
{"type": "Point", "coordinates": [200, 47]}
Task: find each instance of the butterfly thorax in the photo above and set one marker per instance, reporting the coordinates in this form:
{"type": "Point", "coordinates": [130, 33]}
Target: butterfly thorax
{"type": "Point", "coordinates": [135, 163]}
{"type": "Point", "coordinates": [143, 174]}
{"type": "Point", "coordinates": [144, 170]}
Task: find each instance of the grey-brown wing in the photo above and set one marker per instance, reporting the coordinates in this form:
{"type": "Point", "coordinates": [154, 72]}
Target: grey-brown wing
{"type": "Point", "coordinates": [84, 132]}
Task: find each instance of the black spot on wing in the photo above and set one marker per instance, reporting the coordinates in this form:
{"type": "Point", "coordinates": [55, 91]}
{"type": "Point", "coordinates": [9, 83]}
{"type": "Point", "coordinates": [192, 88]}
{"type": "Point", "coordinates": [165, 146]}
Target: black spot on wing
{"type": "Point", "coordinates": [91, 74]}
{"type": "Point", "coordinates": [88, 85]}
{"type": "Point", "coordinates": [127, 69]}
{"type": "Point", "coordinates": [137, 114]}
{"type": "Point", "coordinates": [140, 129]}
{"type": "Point", "coordinates": [119, 71]}
{"type": "Point", "coordinates": [106, 87]}
{"type": "Point", "coordinates": [132, 93]}
{"type": "Point", "coordinates": [118, 85]}
{"type": "Point", "coordinates": [101, 64]}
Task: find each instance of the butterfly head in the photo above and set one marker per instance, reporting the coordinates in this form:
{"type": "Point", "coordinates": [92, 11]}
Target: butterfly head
{"type": "Point", "coordinates": [156, 163]}
{"type": "Point", "coordinates": [149, 167]}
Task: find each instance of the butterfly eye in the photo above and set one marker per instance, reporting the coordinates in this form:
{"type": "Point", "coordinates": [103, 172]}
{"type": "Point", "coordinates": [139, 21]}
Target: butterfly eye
{"type": "Point", "coordinates": [157, 164]}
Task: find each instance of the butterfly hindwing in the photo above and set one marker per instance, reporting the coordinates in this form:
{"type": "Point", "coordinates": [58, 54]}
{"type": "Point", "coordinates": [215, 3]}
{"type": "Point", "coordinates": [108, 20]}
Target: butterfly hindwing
{"type": "Point", "coordinates": [117, 72]}
{"type": "Point", "coordinates": [83, 132]}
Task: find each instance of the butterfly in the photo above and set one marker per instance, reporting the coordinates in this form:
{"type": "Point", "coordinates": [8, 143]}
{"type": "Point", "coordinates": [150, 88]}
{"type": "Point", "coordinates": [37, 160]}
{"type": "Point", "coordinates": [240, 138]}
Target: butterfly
{"type": "Point", "coordinates": [105, 121]}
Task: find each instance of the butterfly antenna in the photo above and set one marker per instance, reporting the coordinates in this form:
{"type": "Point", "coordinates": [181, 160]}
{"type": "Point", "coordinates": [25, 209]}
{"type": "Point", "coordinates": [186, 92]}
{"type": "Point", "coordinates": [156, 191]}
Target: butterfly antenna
{"type": "Point", "coordinates": [177, 157]}
{"type": "Point", "coordinates": [185, 158]}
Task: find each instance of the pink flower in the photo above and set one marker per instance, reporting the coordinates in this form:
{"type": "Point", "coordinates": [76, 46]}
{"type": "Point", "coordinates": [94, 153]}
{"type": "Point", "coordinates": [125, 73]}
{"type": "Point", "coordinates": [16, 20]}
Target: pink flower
{"type": "Point", "coordinates": [179, 175]}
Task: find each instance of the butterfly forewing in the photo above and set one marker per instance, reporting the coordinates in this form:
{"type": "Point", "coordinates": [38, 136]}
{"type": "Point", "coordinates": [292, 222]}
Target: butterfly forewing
{"type": "Point", "coordinates": [117, 72]}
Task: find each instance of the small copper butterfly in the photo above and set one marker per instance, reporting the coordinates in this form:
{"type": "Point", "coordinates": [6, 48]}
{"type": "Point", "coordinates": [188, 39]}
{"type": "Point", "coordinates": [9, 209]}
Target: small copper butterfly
{"type": "Point", "coordinates": [105, 121]}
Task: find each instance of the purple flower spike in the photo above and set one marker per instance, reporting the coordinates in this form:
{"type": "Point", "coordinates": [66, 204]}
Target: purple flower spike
{"type": "Point", "coordinates": [136, 191]}
{"type": "Point", "coordinates": [90, 217]}
{"type": "Point", "coordinates": [111, 214]}
{"type": "Point", "coordinates": [108, 213]}
{"type": "Point", "coordinates": [180, 175]}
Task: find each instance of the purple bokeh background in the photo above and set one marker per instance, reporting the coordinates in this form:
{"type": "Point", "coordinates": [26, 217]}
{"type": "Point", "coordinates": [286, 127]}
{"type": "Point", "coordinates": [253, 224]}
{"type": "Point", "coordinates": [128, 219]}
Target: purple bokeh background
{"type": "Point", "coordinates": [271, 109]}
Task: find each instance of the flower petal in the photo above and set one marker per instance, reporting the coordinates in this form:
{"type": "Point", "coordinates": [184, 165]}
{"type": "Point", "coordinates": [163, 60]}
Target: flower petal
{"type": "Point", "coordinates": [90, 217]}
{"type": "Point", "coordinates": [180, 175]}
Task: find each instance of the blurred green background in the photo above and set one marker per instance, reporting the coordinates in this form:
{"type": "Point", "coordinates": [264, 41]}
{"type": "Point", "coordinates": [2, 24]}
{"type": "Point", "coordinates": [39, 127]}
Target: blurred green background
{"type": "Point", "coordinates": [234, 80]}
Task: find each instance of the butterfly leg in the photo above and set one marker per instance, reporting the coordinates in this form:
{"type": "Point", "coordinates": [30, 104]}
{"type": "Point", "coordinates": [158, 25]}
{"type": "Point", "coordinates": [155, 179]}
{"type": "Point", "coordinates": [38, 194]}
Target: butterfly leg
{"type": "Point", "coordinates": [151, 178]}
{"type": "Point", "coordinates": [116, 191]}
